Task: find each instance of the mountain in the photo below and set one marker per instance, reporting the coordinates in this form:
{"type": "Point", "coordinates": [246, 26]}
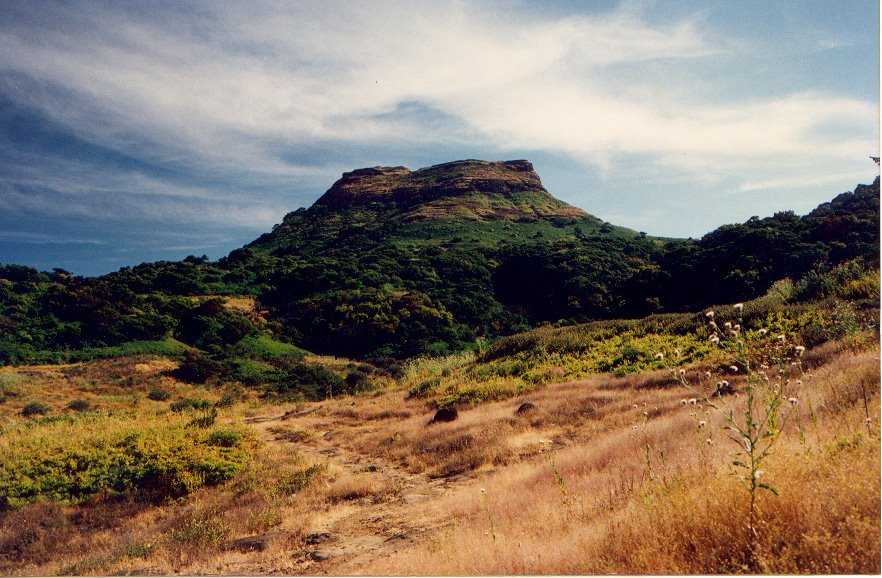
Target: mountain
{"type": "Point", "coordinates": [396, 262]}
{"type": "Point", "coordinates": [393, 262]}
{"type": "Point", "coordinates": [488, 202]}
{"type": "Point", "coordinates": [470, 189]}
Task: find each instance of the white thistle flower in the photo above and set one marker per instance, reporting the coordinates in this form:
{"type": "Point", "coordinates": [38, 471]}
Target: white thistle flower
{"type": "Point", "coordinates": [763, 331]}
{"type": "Point", "coordinates": [738, 306]}
{"type": "Point", "coordinates": [701, 424]}
{"type": "Point", "coordinates": [799, 350]}
{"type": "Point", "coordinates": [727, 325]}
{"type": "Point", "coordinates": [733, 368]}
{"type": "Point", "coordinates": [793, 400]}
{"type": "Point", "coordinates": [659, 355]}
{"type": "Point", "coordinates": [709, 314]}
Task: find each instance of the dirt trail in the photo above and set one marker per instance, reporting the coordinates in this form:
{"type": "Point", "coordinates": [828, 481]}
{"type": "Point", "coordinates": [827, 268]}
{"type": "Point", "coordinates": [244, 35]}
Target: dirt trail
{"type": "Point", "coordinates": [353, 533]}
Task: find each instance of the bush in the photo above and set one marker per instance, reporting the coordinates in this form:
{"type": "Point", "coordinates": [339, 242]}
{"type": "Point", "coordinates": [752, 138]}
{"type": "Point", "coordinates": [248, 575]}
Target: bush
{"type": "Point", "coordinates": [251, 372]}
{"type": "Point", "coordinates": [206, 420]}
{"type": "Point", "coordinates": [356, 381]}
{"type": "Point", "coordinates": [225, 438]}
{"type": "Point", "coordinates": [79, 405]}
{"type": "Point", "coordinates": [34, 408]}
{"type": "Point", "coordinates": [158, 394]}
{"type": "Point", "coordinates": [296, 481]}
{"type": "Point", "coordinates": [198, 368]}
{"type": "Point", "coordinates": [71, 460]}
{"type": "Point", "coordinates": [306, 381]}
{"type": "Point", "coordinates": [186, 403]}
{"type": "Point", "coordinates": [852, 280]}
{"type": "Point", "coordinates": [201, 528]}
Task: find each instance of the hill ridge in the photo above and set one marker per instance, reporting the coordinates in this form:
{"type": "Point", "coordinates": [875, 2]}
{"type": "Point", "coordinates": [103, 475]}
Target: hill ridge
{"type": "Point", "coordinates": [469, 188]}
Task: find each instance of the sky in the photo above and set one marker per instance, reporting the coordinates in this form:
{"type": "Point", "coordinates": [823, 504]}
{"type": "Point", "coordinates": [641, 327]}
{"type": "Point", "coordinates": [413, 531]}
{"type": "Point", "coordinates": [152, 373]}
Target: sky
{"type": "Point", "coordinates": [134, 131]}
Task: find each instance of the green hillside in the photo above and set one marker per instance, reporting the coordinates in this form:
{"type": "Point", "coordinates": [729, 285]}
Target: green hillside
{"type": "Point", "coordinates": [391, 263]}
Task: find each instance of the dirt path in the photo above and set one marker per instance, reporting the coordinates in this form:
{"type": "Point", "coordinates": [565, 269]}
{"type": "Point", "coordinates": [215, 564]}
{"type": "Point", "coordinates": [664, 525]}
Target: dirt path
{"type": "Point", "coordinates": [353, 533]}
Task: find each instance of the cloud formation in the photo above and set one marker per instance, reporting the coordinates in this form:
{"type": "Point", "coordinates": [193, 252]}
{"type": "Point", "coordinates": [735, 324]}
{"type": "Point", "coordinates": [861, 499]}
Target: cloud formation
{"type": "Point", "coordinates": [224, 92]}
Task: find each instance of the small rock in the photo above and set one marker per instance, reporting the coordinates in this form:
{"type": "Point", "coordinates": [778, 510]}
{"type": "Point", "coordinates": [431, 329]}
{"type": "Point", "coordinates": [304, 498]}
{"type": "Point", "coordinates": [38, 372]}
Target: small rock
{"type": "Point", "coordinates": [445, 414]}
{"type": "Point", "coordinates": [525, 408]}
{"type": "Point", "coordinates": [318, 537]}
{"type": "Point", "coordinates": [249, 544]}
{"type": "Point", "coordinates": [319, 556]}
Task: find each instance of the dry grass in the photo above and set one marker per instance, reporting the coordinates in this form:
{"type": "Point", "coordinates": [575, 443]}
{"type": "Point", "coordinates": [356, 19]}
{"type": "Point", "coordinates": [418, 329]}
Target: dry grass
{"type": "Point", "coordinates": [354, 487]}
{"type": "Point", "coordinates": [662, 500]}
{"type": "Point", "coordinates": [108, 384]}
{"type": "Point", "coordinates": [570, 487]}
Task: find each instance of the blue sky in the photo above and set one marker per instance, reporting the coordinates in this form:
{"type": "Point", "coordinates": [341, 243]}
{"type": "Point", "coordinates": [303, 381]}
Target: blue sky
{"type": "Point", "coordinates": [132, 133]}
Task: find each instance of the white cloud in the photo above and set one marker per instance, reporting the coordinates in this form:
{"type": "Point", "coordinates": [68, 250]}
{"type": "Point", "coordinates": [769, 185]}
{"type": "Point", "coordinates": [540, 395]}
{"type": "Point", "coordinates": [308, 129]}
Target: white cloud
{"type": "Point", "coordinates": [230, 84]}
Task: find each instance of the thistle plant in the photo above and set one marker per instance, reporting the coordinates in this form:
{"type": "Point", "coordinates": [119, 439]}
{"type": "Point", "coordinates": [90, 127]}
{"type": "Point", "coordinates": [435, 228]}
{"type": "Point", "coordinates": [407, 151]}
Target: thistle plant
{"type": "Point", "coordinates": [489, 510]}
{"type": "Point", "coordinates": [566, 497]}
{"type": "Point", "coordinates": [755, 425]}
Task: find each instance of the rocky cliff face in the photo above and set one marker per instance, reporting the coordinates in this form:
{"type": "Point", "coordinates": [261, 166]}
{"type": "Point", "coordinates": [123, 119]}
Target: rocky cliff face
{"type": "Point", "coordinates": [469, 189]}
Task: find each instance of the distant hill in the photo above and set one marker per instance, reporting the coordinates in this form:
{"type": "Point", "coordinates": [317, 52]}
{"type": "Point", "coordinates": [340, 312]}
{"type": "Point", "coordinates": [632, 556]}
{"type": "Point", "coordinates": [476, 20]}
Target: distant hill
{"type": "Point", "coordinates": [391, 262]}
{"type": "Point", "coordinates": [425, 260]}
{"type": "Point", "coordinates": [487, 202]}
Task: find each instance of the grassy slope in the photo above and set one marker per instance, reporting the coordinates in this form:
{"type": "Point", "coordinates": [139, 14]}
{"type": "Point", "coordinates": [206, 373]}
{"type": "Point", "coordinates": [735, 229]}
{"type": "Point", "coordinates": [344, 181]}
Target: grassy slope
{"type": "Point", "coordinates": [586, 483]}
{"type": "Point", "coordinates": [587, 464]}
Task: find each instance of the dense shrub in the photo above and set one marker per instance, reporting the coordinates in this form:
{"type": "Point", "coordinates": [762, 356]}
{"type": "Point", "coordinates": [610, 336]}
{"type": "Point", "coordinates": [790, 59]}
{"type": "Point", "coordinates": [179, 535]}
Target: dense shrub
{"type": "Point", "coordinates": [79, 405]}
{"type": "Point", "coordinates": [34, 408]}
{"type": "Point", "coordinates": [225, 438]}
{"type": "Point", "coordinates": [198, 368]}
{"type": "Point", "coordinates": [71, 460]}
{"type": "Point", "coordinates": [306, 381]}
{"type": "Point", "coordinates": [158, 394]}
{"type": "Point", "coordinates": [356, 381]}
{"type": "Point", "coordinates": [186, 403]}
{"type": "Point", "coordinates": [852, 280]}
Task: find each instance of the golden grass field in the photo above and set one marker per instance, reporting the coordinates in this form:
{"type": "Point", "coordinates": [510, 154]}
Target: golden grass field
{"type": "Point", "coordinates": [604, 475]}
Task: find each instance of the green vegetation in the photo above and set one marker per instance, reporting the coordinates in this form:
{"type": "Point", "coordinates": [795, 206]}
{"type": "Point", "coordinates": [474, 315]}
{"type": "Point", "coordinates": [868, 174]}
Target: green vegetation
{"type": "Point", "coordinates": [158, 394]}
{"type": "Point", "coordinates": [189, 403]}
{"type": "Point", "coordinates": [425, 264]}
{"type": "Point", "coordinates": [70, 460]}
{"type": "Point", "coordinates": [514, 364]}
